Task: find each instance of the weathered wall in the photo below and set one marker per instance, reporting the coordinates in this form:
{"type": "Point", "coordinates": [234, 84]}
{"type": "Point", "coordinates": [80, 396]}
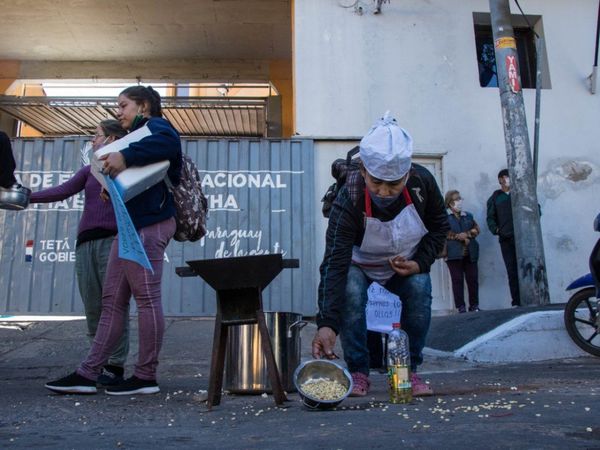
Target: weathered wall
{"type": "Point", "coordinates": [418, 59]}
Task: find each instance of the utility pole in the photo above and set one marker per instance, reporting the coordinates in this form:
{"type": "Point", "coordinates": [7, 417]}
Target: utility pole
{"type": "Point", "coordinates": [533, 284]}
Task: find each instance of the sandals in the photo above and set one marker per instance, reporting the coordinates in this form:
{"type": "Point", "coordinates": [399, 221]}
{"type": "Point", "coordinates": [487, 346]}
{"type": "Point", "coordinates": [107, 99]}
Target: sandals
{"type": "Point", "coordinates": [419, 387]}
{"type": "Point", "coordinates": [361, 384]}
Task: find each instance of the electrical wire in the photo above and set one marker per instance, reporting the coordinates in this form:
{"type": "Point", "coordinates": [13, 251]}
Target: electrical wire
{"type": "Point", "coordinates": [538, 92]}
{"type": "Point", "coordinates": [526, 20]}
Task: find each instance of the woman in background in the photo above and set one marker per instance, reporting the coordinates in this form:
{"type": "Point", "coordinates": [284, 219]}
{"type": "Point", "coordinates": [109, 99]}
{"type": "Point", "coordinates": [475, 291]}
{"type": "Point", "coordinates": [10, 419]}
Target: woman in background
{"type": "Point", "coordinates": [462, 252]}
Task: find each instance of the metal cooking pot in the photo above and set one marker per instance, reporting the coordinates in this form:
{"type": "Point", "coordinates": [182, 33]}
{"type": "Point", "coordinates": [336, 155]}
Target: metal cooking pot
{"type": "Point", "coordinates": [317, 369]}
{"type": "Point", "coordinates": [15, 197]}
{"type": "Point", "coordinates": [245, 365]}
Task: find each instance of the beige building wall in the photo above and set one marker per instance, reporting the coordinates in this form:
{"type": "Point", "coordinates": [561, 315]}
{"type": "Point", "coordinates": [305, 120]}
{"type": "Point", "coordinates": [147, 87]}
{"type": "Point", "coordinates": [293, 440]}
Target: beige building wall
{"type": "Point", "coordinates": [9, 71]}
{"type": "Point", "coordinates": [280, 74]}
{"type": "Point", "coordinates": [277, 72]}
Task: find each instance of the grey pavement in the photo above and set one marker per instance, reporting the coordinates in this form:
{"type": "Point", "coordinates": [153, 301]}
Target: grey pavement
{"type": "Point", "coordinates": [549, 405]}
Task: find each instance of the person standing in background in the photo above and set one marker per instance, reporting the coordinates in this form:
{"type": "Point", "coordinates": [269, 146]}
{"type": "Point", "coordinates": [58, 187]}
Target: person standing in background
{"type": "Point", "coordinates": [500, 223]}
{"type": "Point", "coordinates": [462, 252]}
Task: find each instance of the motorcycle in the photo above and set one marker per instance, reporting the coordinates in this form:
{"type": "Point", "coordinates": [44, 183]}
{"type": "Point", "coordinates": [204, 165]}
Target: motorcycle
{"type": "Point", "coordinates": [582, 312]}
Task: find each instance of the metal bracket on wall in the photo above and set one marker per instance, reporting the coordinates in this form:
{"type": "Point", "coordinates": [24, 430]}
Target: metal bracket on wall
{"type": "Point", "coordinates": [593, 80]}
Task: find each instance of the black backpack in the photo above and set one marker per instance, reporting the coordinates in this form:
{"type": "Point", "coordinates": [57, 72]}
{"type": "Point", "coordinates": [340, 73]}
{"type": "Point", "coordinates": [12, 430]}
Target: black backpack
{"type": "Point", "coordinates": [339, 170]}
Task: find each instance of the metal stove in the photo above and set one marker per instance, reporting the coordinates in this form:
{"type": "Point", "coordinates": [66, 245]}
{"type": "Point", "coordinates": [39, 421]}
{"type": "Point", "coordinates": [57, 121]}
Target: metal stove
{"type": "Point", "coordinates": [239, 283]}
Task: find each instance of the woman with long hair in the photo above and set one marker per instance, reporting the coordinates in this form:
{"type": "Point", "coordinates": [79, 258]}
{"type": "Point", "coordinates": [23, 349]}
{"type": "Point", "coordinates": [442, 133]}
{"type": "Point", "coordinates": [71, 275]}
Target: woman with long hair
{"type": "Point", "coordinates": [152, 213]}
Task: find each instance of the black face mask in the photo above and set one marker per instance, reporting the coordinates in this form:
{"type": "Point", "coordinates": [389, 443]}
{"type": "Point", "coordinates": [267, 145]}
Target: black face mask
{"type": "Point", "coordinates": [383, 202]}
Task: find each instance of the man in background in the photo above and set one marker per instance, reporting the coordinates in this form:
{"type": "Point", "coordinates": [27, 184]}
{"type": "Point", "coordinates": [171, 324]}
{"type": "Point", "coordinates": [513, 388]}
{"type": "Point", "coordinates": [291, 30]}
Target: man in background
{"type": "Point", "coordinates": [500, 223]}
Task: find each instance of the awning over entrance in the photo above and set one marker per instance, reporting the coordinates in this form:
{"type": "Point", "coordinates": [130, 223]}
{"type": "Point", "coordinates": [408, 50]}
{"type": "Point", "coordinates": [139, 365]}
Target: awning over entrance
{"type": "Point", "coordinates": [206, 116]}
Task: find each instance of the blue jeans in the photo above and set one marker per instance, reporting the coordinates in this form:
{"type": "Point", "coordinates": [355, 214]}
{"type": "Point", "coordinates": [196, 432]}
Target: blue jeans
{"type": "Point", "coordinates": [414, 292]}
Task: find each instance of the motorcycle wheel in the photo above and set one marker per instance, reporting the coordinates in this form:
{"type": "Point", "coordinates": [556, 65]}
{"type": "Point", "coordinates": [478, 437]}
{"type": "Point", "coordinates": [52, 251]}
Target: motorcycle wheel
{"type": "Point", "coordinates": [581, 314]}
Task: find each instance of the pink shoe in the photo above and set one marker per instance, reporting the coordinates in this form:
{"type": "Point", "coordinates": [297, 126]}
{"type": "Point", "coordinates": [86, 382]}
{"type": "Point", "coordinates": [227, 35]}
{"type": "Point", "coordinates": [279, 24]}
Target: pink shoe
{"type": "Point", "coordinates": [360, 383]}
{"type": "Point", "coordinates": [419, 387]}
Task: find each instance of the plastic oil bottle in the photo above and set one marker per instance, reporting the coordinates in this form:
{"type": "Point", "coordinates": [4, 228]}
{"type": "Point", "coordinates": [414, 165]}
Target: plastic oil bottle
{"type": "Point", "coordinates": [398, 363]}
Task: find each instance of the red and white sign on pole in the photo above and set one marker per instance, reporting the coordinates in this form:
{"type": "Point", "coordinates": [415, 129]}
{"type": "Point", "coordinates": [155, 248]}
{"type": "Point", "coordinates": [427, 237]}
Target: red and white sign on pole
{"type": "Point", "coordinates": [513, 73]}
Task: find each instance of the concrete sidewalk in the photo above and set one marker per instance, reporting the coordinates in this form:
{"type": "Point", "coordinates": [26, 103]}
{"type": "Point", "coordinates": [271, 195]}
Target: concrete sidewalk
{"type": "Point", "coordinates": [534, 333]}
{"type": "Point", "coordinates": [520, 405]}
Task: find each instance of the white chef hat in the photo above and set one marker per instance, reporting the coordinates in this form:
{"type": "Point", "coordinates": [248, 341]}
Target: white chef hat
{"type": "Point", "coordinates": [386, 150]}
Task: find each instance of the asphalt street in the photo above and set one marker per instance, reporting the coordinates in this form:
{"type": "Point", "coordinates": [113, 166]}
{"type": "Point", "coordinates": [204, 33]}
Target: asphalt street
{"type": "Point", "coordinates": [549, 405]}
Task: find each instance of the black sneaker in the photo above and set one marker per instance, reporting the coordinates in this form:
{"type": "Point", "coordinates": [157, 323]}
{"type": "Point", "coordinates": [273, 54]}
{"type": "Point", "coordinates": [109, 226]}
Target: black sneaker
{"type": "Point", "coordinates": [72, 384]}
{"type": "Point", "coordinates": [134, 385]}
{"type": "Point", "coordinates": [109, 378]}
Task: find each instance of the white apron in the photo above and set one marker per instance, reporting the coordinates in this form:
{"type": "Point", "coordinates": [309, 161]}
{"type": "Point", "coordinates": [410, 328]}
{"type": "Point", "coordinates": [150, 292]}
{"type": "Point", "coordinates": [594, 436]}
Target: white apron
{"type": "Point", "coordinates": [384, 240]}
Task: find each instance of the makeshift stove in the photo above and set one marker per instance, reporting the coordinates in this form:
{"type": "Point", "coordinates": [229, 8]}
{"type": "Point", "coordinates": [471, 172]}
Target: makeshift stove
{"type": "Point", "coordinates": [239, 283]}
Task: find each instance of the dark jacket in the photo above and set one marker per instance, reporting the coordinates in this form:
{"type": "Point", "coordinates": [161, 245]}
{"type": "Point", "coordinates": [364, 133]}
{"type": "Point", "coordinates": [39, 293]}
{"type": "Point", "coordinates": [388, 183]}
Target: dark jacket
{"type": "Point", "coordinates": [7, 162]}
{"type": "Point", "coordinates": [346, 229]}
{"type": "Point", "coordinates": [155, 204]}
{"type": "Point", "coordinates": [499, 215]}
{"type": "Point", "coordinates": [463, 224]}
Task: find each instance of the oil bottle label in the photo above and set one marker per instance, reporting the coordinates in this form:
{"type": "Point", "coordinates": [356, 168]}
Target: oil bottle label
{"type": "Point", "coordinates": [399, 377]}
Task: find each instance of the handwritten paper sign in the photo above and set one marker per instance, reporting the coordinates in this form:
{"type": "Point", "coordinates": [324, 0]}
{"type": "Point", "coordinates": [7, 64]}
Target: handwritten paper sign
{"type": "Point", "coordinates": [383, 309]}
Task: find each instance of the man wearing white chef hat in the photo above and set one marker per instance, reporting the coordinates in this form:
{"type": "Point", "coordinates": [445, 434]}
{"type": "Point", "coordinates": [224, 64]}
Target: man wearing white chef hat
{"type": "Point", "coordinates": [387, 224]}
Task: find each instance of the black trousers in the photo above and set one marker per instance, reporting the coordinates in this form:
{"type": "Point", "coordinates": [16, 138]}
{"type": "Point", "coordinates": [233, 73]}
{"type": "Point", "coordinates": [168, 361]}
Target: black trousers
{"type": "Point", "coordinates": [461, 270]}
{"type": "Point", "coordinates": [7, 162]}
{"type": "Point", "coordinates": [509, 254]}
